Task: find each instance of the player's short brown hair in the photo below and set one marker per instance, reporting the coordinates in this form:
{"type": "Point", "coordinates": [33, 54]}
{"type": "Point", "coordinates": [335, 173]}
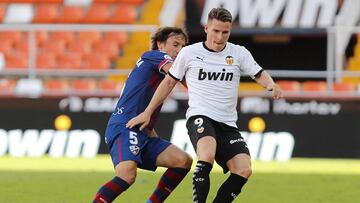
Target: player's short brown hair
{"type": "Point", "coordinates": [163, 33]}
{"type": "Point", "coordinates": [220, 14]}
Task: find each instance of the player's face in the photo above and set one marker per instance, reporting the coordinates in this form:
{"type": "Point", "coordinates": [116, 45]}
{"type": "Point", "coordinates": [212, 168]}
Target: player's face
{"type": "Point", "coordinates": [217, 34]}
{"type": "Point", "coordinates": [173, 45]}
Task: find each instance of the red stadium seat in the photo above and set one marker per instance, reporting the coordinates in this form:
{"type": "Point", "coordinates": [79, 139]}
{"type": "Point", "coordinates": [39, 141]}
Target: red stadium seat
{"type": "Point", "coordinates": [16, 60]}
{"type": "Point", "coordinates": [7, 85]}
{"type": "Point", "coordinates": [56, 84]}
{"type": "Point", "coordinates": [45, 13]}
{"type": "Point", "coordinates": [123, 14]}
{"type": "Point", "coordinates": [119, 38]}
{"type": "Point", "coordinates": [289, 85]}
{"type": "Point", "coordinates": [56, 47]}
{"type": "Point", "coordinates": [110, 49]}
{"type": "Point", "coordinates": [83, 47]}
{"type": "Point", "coordinates": [70, 60]}
{"type": "Point", "coordinates": [135, 2]}
{"type": "Point", "coordinates": [66, 36]}
{"type": "Point", "coordinates": [70, 14]}
{"type": "Point", "coordinates": [83, 84]}
{"type": "Point", "coordinates": [344, 87]}
{"type": "Point", "coordinates": [53, 1]}
{"type": "Point", "coordinates": [6, 46]}
{"type": "Point", "coordinates": [2, 11]}
{"type": "Point", "coordinates": [109, 85]}
{"type": "Point", "coordinates": [98, 61]}
{"type": "Point", "coordinates": [89, 36]}
{"type": "Point", "coordinates": [46, 60]}
{"type": "Point", "coordinates": [314, 86]}
{"type": "Point", "coordinates": [41, 37]}
{"type": "Point", "coordinates": [11, 35]}
{"type": "Point", "coordinates": [97, 13]}
{"type": "Point", "coordinates": [105, 1]}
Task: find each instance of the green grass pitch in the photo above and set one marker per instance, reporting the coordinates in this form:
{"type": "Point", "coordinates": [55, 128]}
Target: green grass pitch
{"type": "Point", "coordinates": [61, 180]}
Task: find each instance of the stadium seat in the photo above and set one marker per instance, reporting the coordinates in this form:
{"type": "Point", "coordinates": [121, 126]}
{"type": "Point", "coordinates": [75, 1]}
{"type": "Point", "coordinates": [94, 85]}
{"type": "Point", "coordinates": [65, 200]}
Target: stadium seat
{"type": "Point", "coordinates": [6, 46]}
{"type": "Point", "coordinates": [344, 87]}
{"type": "Point", "coordinates": [289, 85]}
{"type": "Point", "coordinates": [314, 86]}
{"type": "Point", "coordinates": [45, 13]}
{"type": "Point", "coordinates": [7, 85]}
{"type": "Point", "coordinates": [123, 14]}
{"type": "Point", "coordinates": [105, 1]}
{"type": "Point", "coordinates": [56, 47]}
{"type": "Point", "coordinates": [2, 11]}
{"type": "Point", "coordinates": [134, 2]}
{"type": "Point", "coordinates": [83, 47]}
{"type": "Point", "coordinates": [70, 14]}
{"type": "Point", "coordinates": [119, 38]}
{"type": "Point", "coordinates": [109, 85]}
{"type": "Point", "coordinates": [83, 84]}
{"type": "Point", "coordinates": [16, 60]}
{"type": "Point", "coordinates": [24, 1]}
{"type": "Point", "coordinates": [66, 36]}
{"type": "Point", "coordinates": [53, 1]}
{"type": "Point", "coordinates": [56, 85]}
{"type": "Point", "coordinates": [70, 60]}
{"type": "Point", "coordinates": [111, 50]}
{"type": "Point", "coordinates": [11, 35]}
{"type": "Point", "coordinates": [22, 46]}
{"type": "Point", "coordinates": [46, 60]}
{"type": "Point", "coordinates": [41, 37]}
{"type": "Point", "coordinates": [89, 36]}
{"type": "Point", "coordinates": [97, 13]}
{"type": "Point", "coordinates": [97, 61]}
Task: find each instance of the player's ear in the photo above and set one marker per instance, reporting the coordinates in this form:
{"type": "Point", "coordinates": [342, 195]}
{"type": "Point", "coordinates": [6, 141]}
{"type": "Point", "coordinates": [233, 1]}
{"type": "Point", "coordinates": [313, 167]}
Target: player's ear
{"type": "Point", "coordinates": [206, 27]}
{"type": "Point", "coordinates": [160, 45]}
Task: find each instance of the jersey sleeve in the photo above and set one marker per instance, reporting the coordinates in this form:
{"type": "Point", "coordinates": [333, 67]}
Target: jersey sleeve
{"type": "Point", "coordinates": [158, 59]}
{"type": "Point", "coordinates": [248, 65]}
{"type": "Point", "coordinates": [178, 69]}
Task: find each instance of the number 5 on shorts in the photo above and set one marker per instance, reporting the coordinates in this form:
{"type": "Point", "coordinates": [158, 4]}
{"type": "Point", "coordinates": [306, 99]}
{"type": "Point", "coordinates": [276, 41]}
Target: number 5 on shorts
{"type": "Point", "coordinates": [132, 138]}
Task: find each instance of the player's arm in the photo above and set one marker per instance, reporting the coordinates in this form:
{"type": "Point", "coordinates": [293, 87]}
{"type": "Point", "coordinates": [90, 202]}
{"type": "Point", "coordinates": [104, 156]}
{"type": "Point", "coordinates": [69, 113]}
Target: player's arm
{"type": "Point", "coordinates": [159, 97]}
{"type": "Point", "coordinates": [166, 68]}
{"type": "Point", "coordinates": [265, 80]}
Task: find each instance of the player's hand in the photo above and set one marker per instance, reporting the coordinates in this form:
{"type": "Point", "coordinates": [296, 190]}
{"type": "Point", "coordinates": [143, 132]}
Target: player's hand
{"type": "Point", "coordinates": [277, 92]}
{"type": "Point", "coordinates": [142, 119]}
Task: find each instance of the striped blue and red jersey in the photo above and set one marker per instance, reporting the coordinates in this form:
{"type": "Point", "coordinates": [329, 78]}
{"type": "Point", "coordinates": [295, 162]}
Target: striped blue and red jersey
{"type": "Point", "coordinates": [140, 88]}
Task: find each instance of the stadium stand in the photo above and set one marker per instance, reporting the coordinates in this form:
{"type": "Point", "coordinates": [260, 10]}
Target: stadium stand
{"type": "Point", "coordinates": [94, 50]}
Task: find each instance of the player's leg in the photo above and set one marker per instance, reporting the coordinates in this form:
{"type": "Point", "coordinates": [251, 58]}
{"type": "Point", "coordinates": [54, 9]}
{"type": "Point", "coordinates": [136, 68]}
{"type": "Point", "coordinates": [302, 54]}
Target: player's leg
{"type": "Point", "coordinates": [239, 165]}
{"type": "Point", "coordinates": [125, 174]}
{"type": "Point", "coordinates": [125, 159]}
{"type": "Point", "coordinates": [178, 163]}
{"type": "Point", "coordinates": [202, 136]}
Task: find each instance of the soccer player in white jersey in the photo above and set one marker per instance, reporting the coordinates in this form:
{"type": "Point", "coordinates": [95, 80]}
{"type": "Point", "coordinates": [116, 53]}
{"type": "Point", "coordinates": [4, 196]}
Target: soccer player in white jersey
{"type": "Point", "coordinates": [212, 72]}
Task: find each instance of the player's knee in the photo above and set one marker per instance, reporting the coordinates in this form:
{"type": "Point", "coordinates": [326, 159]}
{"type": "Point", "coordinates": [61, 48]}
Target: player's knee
{"type": "Point", "coordinates": [129, 178]}
{"type": "Point", "coordinates": [127, 174]}
{"type": "Point", "coordinates": [244, 172]}
{"type": "Point", "coordinates": [184, 161]}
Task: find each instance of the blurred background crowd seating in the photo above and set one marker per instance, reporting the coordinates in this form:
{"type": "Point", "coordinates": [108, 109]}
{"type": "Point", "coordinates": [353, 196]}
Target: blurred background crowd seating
{"type": "Point", "coordinates": [88, 47]}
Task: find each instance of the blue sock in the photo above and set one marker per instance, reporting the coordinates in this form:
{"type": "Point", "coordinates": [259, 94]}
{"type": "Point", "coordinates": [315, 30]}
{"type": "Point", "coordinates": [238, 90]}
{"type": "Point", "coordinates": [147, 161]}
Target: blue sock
{"type": "Point", "coordinates": [108, 192]}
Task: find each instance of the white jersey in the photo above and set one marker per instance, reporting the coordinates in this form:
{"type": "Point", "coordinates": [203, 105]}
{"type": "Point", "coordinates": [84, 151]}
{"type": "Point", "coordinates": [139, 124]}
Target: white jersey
{"type": "Point", "coordinates": [213, 79]}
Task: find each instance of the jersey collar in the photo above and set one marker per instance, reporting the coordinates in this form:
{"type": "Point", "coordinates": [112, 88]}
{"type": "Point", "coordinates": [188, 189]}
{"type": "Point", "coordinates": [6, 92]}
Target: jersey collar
{"type": "Point", "coordinates": [211, 50]}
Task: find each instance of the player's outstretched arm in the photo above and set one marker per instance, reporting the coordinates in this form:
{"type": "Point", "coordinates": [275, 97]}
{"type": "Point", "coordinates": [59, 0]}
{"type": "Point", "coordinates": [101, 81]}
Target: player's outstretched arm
{"type": "Point", "coordinates": [159, 97]}
{"type": "Point", "coordinates": [265, 80]}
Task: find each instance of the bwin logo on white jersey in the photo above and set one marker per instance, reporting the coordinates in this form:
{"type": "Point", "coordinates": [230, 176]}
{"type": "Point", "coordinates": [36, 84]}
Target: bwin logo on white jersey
{"type": "Point", "coordinates": [215, 75]}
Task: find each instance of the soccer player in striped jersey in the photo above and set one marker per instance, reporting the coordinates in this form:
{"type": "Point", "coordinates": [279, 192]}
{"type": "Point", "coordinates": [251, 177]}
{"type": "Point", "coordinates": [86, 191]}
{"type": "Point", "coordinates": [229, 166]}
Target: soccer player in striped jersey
{"type": "Point", "coordinates": [212, 71]}
{"type": "Point", "coordinates": [131, 148]}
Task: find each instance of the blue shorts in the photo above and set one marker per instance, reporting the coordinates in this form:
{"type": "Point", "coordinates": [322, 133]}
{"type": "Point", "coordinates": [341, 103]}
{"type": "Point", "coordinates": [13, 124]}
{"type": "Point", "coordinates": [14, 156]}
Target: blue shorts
{"type": "Point", "coordinates": [131, 144]}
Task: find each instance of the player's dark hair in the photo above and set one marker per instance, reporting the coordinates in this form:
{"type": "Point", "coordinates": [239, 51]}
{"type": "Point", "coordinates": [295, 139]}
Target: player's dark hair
{"type": "Point", "coordinates": [220, 14]}
{"type": "Point", "coordinates": [163, 33]}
